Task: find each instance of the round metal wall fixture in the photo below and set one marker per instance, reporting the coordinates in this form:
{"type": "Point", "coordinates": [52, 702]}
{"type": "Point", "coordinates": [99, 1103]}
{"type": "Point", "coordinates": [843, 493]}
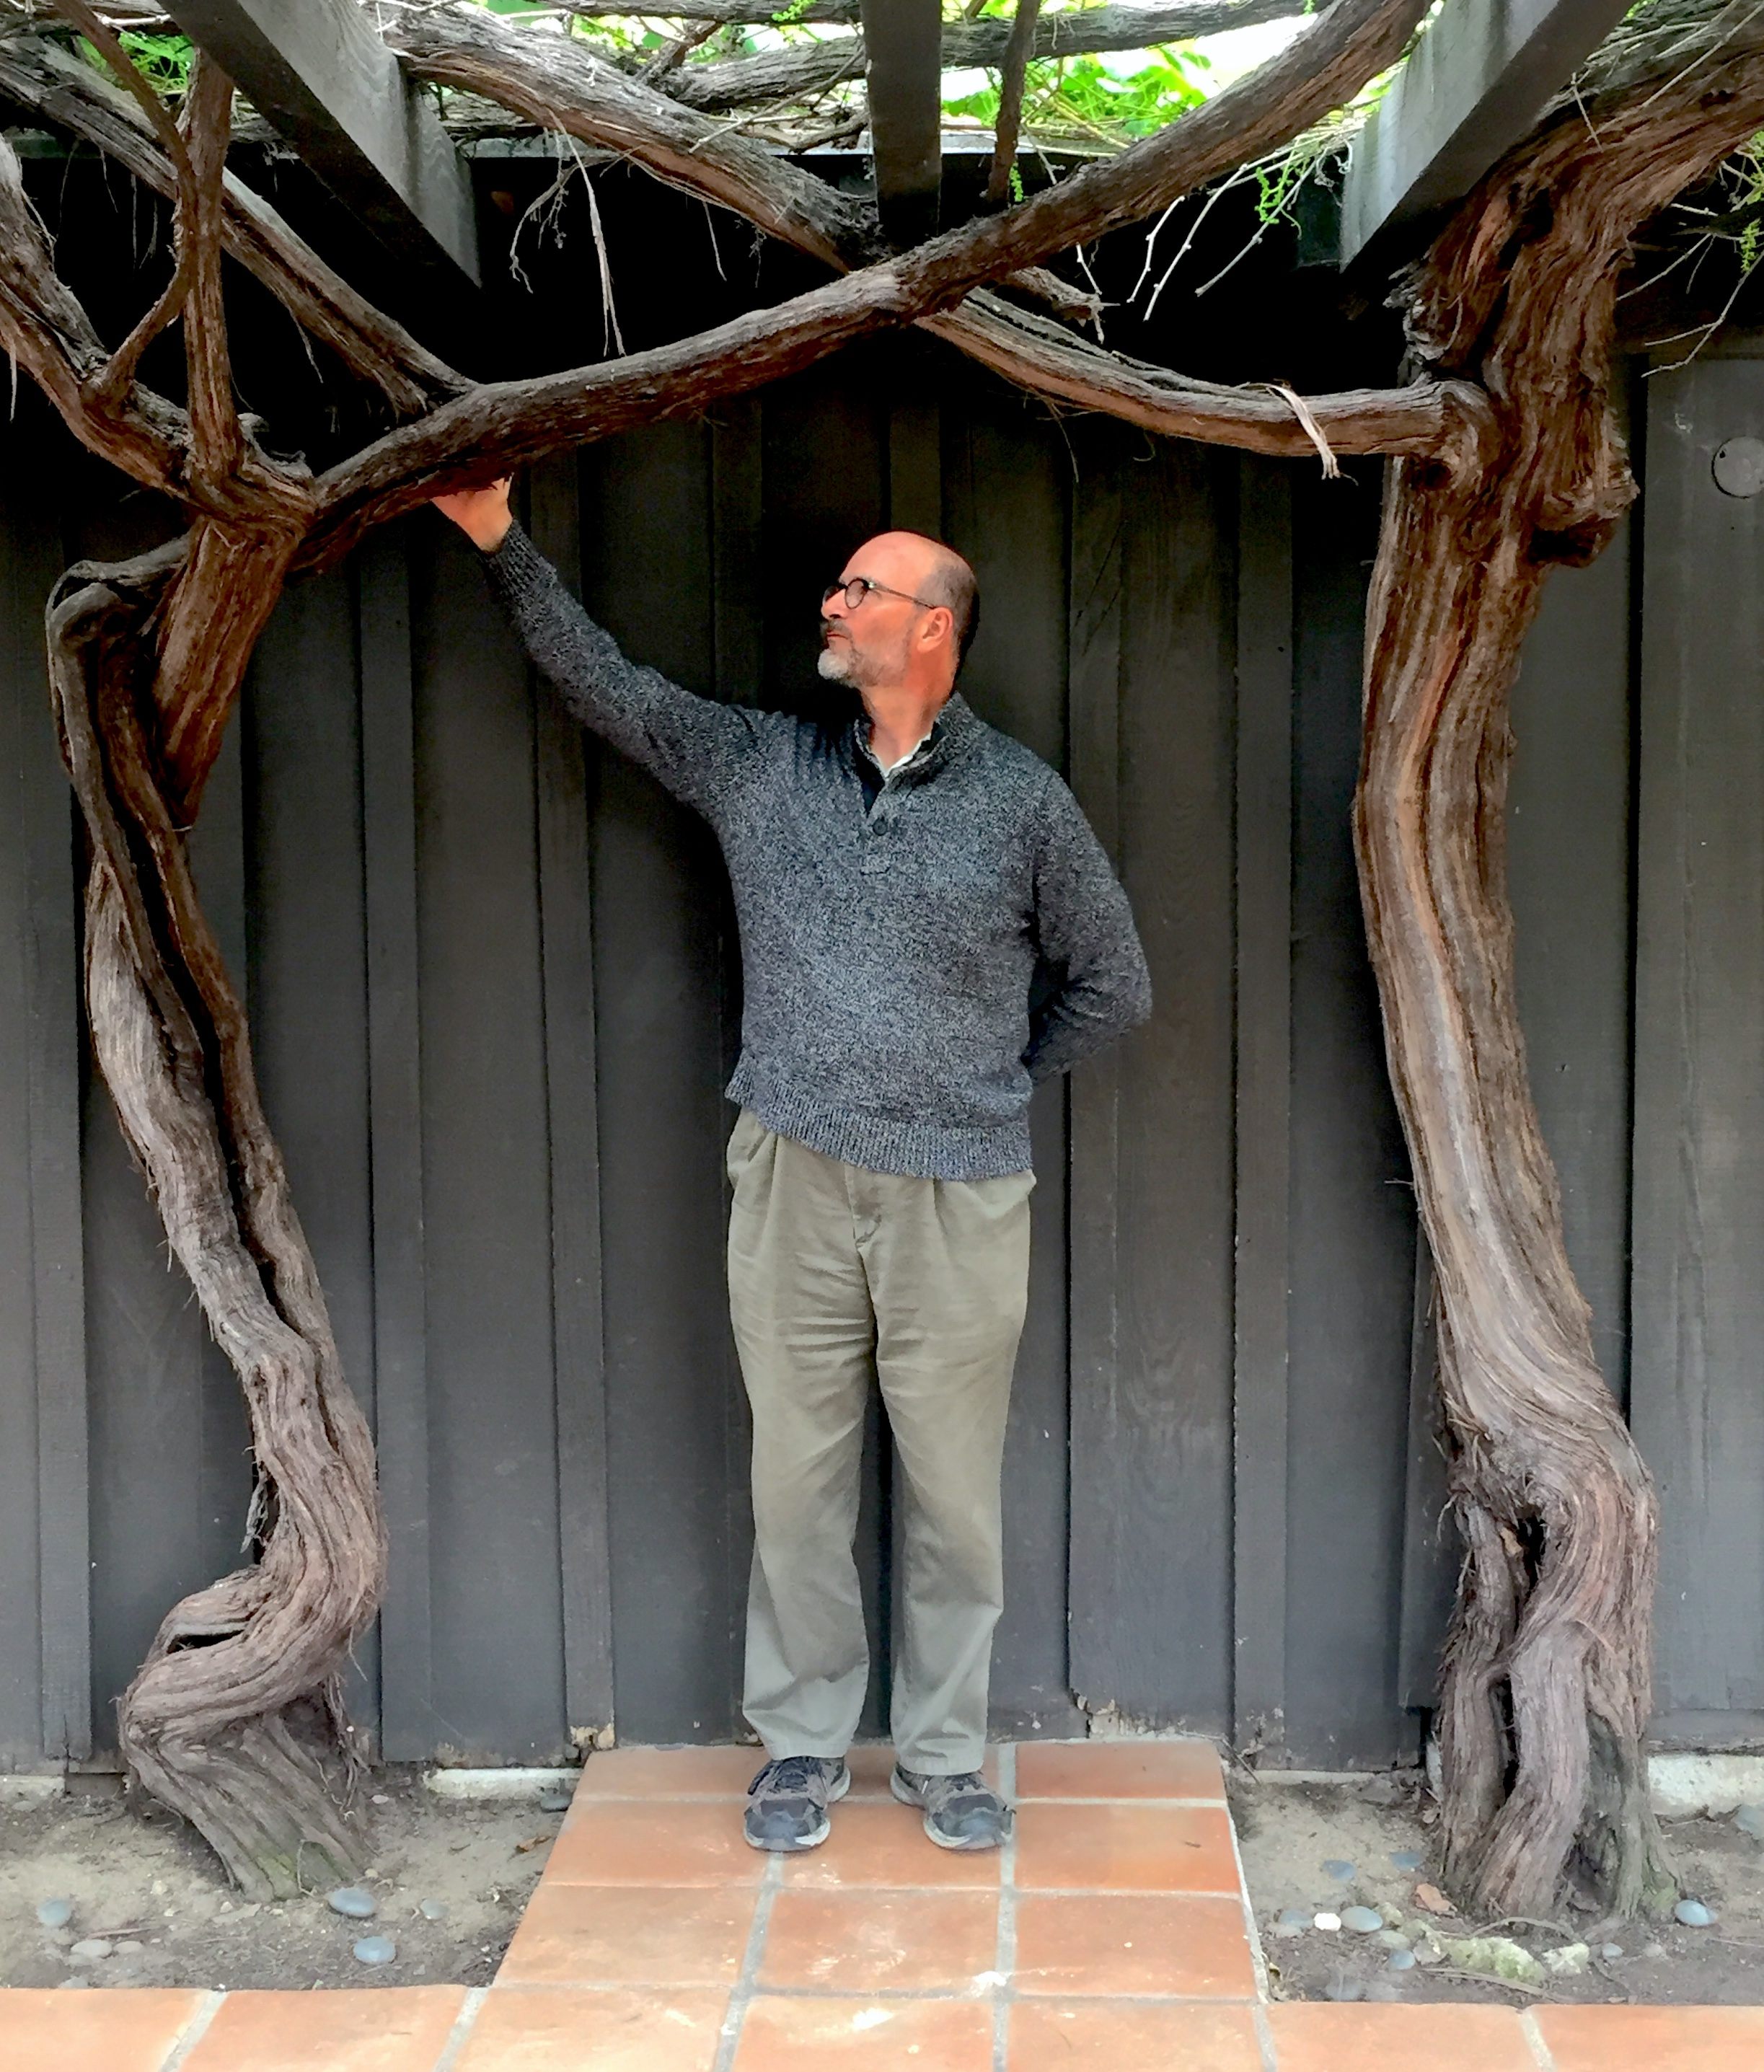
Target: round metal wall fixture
{"type": "Point", "coordinates": [1739, 467]}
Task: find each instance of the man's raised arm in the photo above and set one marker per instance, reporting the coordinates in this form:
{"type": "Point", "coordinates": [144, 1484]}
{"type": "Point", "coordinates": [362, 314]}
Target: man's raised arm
{"type": "Point", "coordinates": [693, 745]}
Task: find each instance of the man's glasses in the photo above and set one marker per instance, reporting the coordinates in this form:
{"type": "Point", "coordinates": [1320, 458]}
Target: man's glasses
{"type": "Point", "coordinates": [859, 587]}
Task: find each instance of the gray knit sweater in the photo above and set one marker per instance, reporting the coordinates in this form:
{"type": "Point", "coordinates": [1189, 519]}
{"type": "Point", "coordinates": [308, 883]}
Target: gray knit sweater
{"type": "Point", "coordinates": [888, 948]}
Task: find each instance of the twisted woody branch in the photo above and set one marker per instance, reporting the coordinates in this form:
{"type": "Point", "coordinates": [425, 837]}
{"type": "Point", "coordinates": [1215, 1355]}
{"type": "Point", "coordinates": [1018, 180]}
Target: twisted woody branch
{"type": "Point", "coordinates": [1546, 1688]}
{"type": "Point", "coordinates": [1506, 462]}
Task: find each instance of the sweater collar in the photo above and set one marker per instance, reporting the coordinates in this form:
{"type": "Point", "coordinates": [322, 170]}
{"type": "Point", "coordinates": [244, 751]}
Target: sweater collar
{"type": "Point", "coordinates": [955, 725]}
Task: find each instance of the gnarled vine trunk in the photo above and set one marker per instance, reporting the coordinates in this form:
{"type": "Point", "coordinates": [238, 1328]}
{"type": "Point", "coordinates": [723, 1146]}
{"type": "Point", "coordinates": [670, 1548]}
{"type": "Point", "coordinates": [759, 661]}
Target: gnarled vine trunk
{"type": "Point", "coordinates": [1546, 1689]}
{"type": "Point", "coordinates": [219, 1721]}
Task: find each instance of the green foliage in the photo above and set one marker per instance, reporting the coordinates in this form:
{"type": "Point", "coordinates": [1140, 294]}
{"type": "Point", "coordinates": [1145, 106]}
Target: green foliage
{"type": "Point", "coordinates": [165, 62]}
{"type": "Point", "coordinates": [1745, 173]}
{"type": "Point", "coordinates": [1081, 95]}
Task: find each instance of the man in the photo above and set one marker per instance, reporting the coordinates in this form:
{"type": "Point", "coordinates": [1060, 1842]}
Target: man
{"type": "Point", "coordinates": [900, 881]}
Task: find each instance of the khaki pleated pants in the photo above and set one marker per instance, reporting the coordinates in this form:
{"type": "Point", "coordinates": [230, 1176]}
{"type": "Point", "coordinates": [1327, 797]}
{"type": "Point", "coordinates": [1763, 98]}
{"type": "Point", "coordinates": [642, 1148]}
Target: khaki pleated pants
{"type": "Point", "coordinates": [838, 1278]}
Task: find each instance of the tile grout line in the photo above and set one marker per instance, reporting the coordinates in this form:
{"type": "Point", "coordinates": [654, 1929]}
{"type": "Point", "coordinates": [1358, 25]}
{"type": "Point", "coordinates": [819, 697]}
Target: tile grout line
{"type": "Point", "coordinates": [1534, 2036]}
{"type": "Point", "coordinates": [1265, 2038]}
{"type": "Point", "coordinates": [193, 2032]}
{"type": "Point", "coordinates": [907, 1995]}
{"type": "Point", "coordinates": [1005, 1954]}
{"type": "Point", "coordinates": [879, 1796]}
{"type": "Point", "coordinates": [462, 2024]}
{"type": "Point", "coordinates": [741, 1996]}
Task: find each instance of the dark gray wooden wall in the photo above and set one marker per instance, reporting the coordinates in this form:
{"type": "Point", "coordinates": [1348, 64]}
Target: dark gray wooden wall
{"type": "Point", "coordinates": [492, 977]}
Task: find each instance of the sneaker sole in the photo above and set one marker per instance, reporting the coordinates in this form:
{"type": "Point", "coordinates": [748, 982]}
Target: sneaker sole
{"type": "Point", "coordinates": [908, 1797]}
{"type": "Point", "coordinates": [811, 1841]}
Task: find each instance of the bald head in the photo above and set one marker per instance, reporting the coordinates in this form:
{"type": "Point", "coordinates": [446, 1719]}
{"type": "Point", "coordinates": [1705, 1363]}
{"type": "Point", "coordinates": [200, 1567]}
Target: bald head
{"type": "Point", "coordinates": [940, 577]}
{"type": "Point", "coordinates": [915, 623]}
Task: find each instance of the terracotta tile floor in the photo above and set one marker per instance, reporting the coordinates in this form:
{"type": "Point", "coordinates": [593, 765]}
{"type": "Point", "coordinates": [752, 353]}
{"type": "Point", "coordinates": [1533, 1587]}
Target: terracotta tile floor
{"type": "Point", "coordinates": [1111, 1933]}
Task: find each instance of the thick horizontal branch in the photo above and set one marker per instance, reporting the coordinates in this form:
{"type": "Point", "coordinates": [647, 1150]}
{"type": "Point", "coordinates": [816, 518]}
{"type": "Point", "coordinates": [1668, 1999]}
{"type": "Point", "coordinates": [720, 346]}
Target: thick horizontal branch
{"type": "Point", "coordinates": [1443, 421]}
{"type": "Point", "coordinates": [46, 78]}
{"type": "Point", "coordinates": [799, 71]}
{"type": "Point", "coordinates": [501, 425]}
{"type": "Point", "coordinates": [1110, 28]}
{"type": "Point", "coordinates": [559, 82]}
{"type": "Point", "coordinates": [507, 425]}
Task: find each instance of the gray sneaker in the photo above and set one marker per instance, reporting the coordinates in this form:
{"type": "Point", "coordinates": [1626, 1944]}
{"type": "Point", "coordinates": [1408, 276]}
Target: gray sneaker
{"type": "Point", "coordinates": [962, 1812]}
{"type": "Point", "coordinates": [787, 1801]}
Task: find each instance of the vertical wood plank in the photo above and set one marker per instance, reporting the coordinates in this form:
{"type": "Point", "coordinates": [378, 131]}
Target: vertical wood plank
{"type": "Point", "coordinates": [46, 1327]}
{"type": "Point", "coordinates": [409, 1730]}
{"type": "Point", "coordinates": [496, 1591]}
{"type": "Point", "coordinates": [915, 473]}
{"type": "Point", "coordinates": [1017, 678]}
{"type": "Point", "coordinates": [738, 663]}
{"type": "Point", "coordinates": [58, 1266]}
{"type": "Point", "coordinates": [1696, 1407]}
{"type": "Point", "coordinates": [1094, 672]}
{"type": "Point", "coordinates": [660, 905]}
{"type": "Point", "coordinates": [22, 1521]}
{"type": "Point", "coordinates": [1351, 1232]}
{"type": "Point", "coordinates": [1263, 925]}
{"type": "Point", "coordinates": [566, 935]}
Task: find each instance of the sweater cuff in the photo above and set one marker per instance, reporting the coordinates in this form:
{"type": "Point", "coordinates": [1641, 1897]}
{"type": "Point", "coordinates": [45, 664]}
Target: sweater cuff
{"type": "Point", "coordinates": [514, 565]}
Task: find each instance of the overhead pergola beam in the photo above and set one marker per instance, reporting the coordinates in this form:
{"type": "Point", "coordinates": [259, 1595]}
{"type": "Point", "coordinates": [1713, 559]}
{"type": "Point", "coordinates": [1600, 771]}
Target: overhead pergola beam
{"type": "Point", "coordinates": [1478, 78]}
{"type": "Point", "coordinates": [316, 71]}
{"type": "Point", "coordinates": [904, 41]}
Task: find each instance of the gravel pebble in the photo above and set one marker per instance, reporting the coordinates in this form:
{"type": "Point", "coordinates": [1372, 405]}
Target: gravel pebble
{"type": "Point", "coordinates": [1694, 1913]}
{"type": "Point", "coordinates": [1340, 1869]}
{"type": "Point", "coordinates": [1400, 1960]}
{"type": "Point", "coordinates": [554, 1802]}
{"type": "Point", "coordinates": [432, 1910]}
{"type": "Point", "coordinates": [91, 1948]}
{"type": "Point", "coordinates": [55, 1912]}
{"type": "Point", "coordinates": [1330, 1923]}
{"type": "Point", "coordinates": [1362, 1920]}
{"type": "Point", "coordinates": [1749, 1820]}
{"type": "Point", "coordinates": [376, 1950]}
{"type": "Point", "coordinates": [353, 1902]}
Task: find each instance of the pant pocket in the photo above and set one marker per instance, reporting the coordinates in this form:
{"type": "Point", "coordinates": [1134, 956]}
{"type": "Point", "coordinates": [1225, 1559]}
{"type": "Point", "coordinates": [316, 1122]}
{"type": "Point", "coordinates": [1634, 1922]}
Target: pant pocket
{"type": "Point", "coordinates": [742, 1138]}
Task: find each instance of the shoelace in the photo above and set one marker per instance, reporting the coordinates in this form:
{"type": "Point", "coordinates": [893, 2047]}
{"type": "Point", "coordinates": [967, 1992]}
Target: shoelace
{"type": "Point", "coordinates": [789, 1774]}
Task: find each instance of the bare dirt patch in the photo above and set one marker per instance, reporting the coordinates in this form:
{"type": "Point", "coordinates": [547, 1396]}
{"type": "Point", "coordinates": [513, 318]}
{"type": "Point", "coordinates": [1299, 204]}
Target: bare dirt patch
{"type": "Point", "coordinates": [149, 1887]}
{"type": "Point", "coordinates": [1289, 1832]}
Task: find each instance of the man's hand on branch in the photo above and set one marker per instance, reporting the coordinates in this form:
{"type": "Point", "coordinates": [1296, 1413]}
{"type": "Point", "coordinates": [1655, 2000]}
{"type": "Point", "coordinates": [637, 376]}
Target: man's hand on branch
{"type": "Point", "coordinates": [482, 514]}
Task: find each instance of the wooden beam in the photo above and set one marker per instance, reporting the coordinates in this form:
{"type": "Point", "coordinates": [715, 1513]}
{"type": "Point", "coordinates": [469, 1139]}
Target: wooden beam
{"type": "Point", "coordinates": [1480, 75]}
{"type": "Point", "coordinates": [904, 38]}
{"type": "Point", "coordinates": [315, 70]}
{"type": "Point", "coordinates": [1262, 1259]}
